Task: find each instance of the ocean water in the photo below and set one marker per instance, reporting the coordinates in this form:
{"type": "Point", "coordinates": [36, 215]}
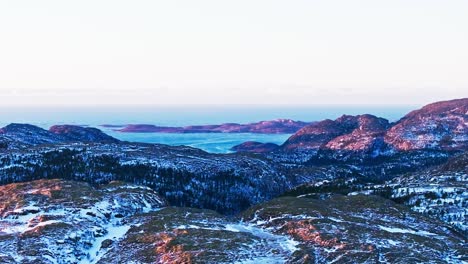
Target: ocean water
{"type": "Point", "coordinates": [182, 116]}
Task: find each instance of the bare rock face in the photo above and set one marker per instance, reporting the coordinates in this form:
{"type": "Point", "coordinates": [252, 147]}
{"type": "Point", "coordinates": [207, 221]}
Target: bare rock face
{"type": "Point", "coordinates": [82, 134]}
{"type": "Point", "coordinates": [361, 132]}
{"type": "Point", "coordinates": [437, 126]}
{"type": "Point", "coordinates": [315, 136]}
{"type": "Point", "coordinates": [366, 136]}
{"type": "Point", "coordinates": [441, 125]}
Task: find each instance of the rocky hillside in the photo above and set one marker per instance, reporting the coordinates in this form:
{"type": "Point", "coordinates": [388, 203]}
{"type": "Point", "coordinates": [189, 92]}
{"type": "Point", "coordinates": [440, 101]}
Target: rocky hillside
{"type": "Point", "coordinates": [82, 134]}
{"type": "Point", "coordinates": [56, 221]}
{"type": "Point", "coordinates": [359, 229]}
{"type": "Point", "coordinates": [347, 132]}
{"type": "Point", "coordinates": [439, 192]}
{"type": "Point", "coordinates": [438, 126]}
{"type": "Point", "coordinates": [441, 125]}
{"type": "Point", "coordinates": [20, 136]}
{"type": "Point", "coordinates": [338, 191]}
{"type": "Point", "coordinates": [255, 147]}
{"type": "Point", "coordinates": [227, 183]}
{"type": "Point", "coordinates": [184, 176]}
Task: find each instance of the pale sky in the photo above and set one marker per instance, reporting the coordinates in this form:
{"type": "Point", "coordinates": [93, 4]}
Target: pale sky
{"type": "Point", "coordinates": [173, 52]}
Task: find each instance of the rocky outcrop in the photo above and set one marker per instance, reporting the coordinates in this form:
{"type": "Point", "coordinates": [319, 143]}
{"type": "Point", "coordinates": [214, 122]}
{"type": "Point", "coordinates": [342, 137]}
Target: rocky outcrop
{"type": "Point", "coordinates": [56, 221]}
{"type": "Point", "coordinates": [437, 126]}
{"type": "Point", "coordinates": [368, 135]}
{"type": "Point", "coordinates": [355, 133]}
{"type": "Point", "coordinates": [441, 125]}
{"type": "Point", "coordinates": [278, 126]}
{"type": "Point", "coordinates": [358, 229]}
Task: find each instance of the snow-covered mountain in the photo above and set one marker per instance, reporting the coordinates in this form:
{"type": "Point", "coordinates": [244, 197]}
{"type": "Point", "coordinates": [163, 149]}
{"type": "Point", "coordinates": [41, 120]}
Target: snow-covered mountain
{"type": "Point", "coordinates": [20, 136]}
{"type": "Point", "coordinates": [441, 125]}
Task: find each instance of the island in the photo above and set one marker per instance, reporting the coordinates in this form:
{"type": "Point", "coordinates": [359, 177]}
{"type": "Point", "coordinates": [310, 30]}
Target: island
{"type": "Point", "coordinates": [277, 126]}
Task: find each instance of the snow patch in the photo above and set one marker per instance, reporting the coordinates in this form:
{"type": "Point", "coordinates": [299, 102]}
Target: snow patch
{"type": "Point", "coordinates": [114, 232]}
{"type": "Point", "coordinates": [405, 231]}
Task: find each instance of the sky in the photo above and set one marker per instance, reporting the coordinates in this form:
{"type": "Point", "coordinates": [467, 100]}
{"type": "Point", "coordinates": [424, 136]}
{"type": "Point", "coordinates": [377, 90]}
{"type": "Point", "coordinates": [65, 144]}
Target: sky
{"type": "Point", "coordinates": [220, 52]}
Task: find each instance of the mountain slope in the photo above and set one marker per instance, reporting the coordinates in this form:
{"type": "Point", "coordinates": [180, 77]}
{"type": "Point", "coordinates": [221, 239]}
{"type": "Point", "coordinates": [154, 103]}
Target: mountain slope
{"type": "Point", "coordinates": [82, 134]}
{"type": "Point", "coordinates": [359, 229]}
{"type": "Point", "coordinates": [25, 134]}
{"type": "Point", "coordinates": [184, 176]}
{"type": "Point", "coordinates": [438, 126]}
{"type": "Point", "coordinates": [437, 191]}
{"type": "Point", "coordinates": [347, 132]}
{"type": "Point", "coordinates": [20, 136]}
{"type": "Point", "coordinates": [441, 125]}
{"type": "Point", "coordinates": [56, 221]}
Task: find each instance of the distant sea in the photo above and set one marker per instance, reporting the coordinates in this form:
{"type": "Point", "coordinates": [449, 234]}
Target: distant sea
{"type": "Point", "coordinates": [183, 116]}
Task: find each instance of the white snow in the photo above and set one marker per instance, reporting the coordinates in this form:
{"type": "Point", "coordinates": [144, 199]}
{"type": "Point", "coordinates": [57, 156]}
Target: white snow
{"type": "Point", "coordinates": [336, 220]}
{"type": "Point", "coordinates": [406, 231]}
{"type": "Point", "coordinates": [43, 224]}
{"type": "Point", "coordinates": [114, 232]}
{"type": "Point", "coordinates": [26, 209]}
{"type": "Point", "coordinates": [392, 242]}
{"type": "Point", "coordinates": [282, 243]}
{"type": "Point", "coordinates": [261, 260]}
{"type": "Point", "coordinates": [51, 259]}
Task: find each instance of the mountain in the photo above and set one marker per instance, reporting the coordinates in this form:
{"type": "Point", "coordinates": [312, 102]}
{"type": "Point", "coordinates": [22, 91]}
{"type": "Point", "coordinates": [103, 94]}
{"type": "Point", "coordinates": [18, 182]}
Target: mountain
{"type": "Point", "coordinates": [28, 135]}
{"type": "Point", "coordinates": [17, 136]}
{"type": "Point", "coordinates": [438, 126]}
{"type": "Point", "coordinates": [83, 134]}
{"type": "Point", "coordinates": [360, 132]}
{"type": "Point", "coordinates": [441, 125]}
{"type": "Point", "coordinates": [278, 126]}
{"type": "Point", "coordinates": [366, 136]}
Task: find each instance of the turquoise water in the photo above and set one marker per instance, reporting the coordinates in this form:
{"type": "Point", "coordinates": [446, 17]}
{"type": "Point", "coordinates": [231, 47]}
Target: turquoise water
{"type": "Point", "coordinates": [182, 116]}
{"type": "Point", "coordinates": [211, 142]}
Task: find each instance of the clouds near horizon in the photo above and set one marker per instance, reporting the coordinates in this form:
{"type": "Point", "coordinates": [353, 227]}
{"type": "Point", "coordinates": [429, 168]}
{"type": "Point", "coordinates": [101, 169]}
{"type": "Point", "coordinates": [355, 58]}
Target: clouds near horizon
{"type": "Point", "coordinates": [232, 52]}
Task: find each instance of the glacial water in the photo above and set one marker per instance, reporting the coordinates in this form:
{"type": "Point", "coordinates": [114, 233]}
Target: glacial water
{"type": "Point", "coordinates": [182, 116]}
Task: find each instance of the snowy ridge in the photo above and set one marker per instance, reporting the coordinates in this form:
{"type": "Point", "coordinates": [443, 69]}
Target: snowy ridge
{"type": "Point", "coordinates": [69, 222]}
